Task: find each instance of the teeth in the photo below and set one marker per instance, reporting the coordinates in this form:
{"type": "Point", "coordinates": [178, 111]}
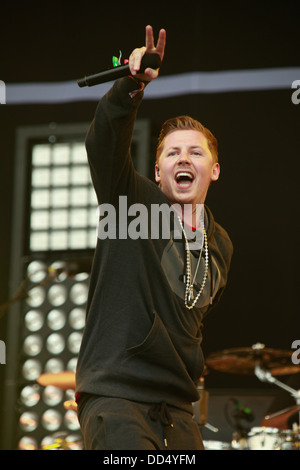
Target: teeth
{"type": "Point", "coordinates": [183, 174]}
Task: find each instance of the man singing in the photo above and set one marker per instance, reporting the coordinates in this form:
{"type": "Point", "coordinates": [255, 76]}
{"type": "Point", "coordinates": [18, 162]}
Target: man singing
{"type": "Point", "coordinates": [141, 358]}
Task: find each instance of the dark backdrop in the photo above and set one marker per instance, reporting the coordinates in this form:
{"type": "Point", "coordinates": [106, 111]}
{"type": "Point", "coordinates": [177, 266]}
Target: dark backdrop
{"type": "Point", "coordinates": [258, 132]}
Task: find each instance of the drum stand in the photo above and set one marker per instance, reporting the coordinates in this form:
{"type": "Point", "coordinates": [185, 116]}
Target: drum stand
{"type": "Point", "coordinates": [265, 363]}
{"type": "Point", "coordinates": [201, 407]}
{"type": "Point", "coordinates": [266, 376]}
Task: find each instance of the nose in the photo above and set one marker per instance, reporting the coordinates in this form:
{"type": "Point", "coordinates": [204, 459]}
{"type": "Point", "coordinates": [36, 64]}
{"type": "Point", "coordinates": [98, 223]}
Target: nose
{"type": "Point", "coordinates": [184, 157]}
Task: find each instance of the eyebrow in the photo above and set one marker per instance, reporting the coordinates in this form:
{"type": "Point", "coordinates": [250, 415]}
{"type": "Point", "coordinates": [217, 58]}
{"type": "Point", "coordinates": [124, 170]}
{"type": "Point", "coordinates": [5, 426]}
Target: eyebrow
{"type": "Point", "coordinates": [192, 147]}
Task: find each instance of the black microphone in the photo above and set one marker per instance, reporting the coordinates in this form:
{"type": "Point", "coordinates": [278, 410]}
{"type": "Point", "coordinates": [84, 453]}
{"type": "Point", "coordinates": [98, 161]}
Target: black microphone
{"type": "Point", "coordinates": [152, 61]}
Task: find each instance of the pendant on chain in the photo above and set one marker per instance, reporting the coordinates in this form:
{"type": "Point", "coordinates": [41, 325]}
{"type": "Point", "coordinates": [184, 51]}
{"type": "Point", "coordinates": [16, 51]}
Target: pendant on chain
{"type": "Point", "coordinates": [191, 293]}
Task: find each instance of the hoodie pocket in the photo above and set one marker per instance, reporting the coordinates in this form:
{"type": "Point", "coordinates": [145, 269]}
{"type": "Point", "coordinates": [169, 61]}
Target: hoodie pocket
{"type": "Point", "coordinates": [150, 338]}
{"type": "Point", "coordinates": [157, 361]}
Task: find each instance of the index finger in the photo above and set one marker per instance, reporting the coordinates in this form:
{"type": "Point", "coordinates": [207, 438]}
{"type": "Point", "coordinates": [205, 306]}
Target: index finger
{"type": "Point", "coordinates": [149, 41]}
{"type": "Point", "coordinates": [161, 42]}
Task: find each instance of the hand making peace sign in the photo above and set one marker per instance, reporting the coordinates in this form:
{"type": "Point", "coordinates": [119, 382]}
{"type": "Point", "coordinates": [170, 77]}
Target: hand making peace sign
{"type": "Point", "coordinates": [138, 53]}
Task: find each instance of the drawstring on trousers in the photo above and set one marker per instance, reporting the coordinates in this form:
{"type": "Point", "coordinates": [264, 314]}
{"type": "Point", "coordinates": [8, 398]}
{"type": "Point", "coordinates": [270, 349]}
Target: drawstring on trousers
{"type": "Point", "coordinates": [161, 412]}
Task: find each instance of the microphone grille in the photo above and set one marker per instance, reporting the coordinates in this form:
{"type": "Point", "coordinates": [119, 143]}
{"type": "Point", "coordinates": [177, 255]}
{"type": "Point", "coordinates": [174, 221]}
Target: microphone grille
{"type": "Point", "coordinates": [152, 61]}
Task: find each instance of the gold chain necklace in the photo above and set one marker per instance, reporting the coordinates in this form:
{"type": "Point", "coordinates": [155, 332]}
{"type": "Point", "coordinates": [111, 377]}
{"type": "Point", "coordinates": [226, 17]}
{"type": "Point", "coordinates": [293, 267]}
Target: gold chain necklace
{"type": "Point", "coordinates": [189, 286]}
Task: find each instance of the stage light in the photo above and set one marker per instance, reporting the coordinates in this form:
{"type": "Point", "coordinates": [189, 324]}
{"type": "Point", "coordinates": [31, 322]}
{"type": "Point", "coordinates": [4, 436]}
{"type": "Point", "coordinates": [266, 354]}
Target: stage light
{"type": "Point", "coordinates": [36, 296]}
{"type": "Point", "coordinates": [51, 342]}
{"type": "Point", "coordinates": [51, 420]}
{"type": "Point", "coordinates": [40, 199]}
{"type": "Point", "coordinates": [78, 293]}
{"type": "Point", "coordinates": [71, 420]}
{"type": "Point", "coordinates": [28, 443]}
{"type": "Point", "coordinates": [61, 198]}
{"type": "Point", "coordinates": [74, 342]}
{"type": "Point", "coordinates": [36, 271]}
{"type": "Point", "coordinates": [34, 320]}
{"type": "Point", "coordinates": [31, 369]}
{"type": "Point", "coordinates": [54, 366]}
{"type": "Point", "coordinates": [28, 421]}
{"type": "Point", "coordinates": [74, 442]}
{"type": "Point", "coordinates": [32, 345]}
{"type": "Point", "coordinates": [30, 395]}
{"type": "Point", "coordinates": [59, 219]}
{"type": "Point", "coordinates": [62, 441]}
{"type": "Point", "coordinates": [57, 295]}
{"type": "Point", "coordinates": [79, 197]}
{"type": "Point", "coordinates": [56, 319]}
{"type": "Point", "coordinates": [52, 396]}
{"type": "Point", "coordinates": [41, 177]}
{"type": "Point", "coordinates": [40, 220]}
{"type": "Point", "coordinates": [60, 176]}
{"type": "Point", "coordinates": [77, 318]}
{"type": "Point", "coordinates": [58, 269]}
{"type": "Point", "coordinates": [56, 211]}
{"type": "Point", "coordinates": [71, 364]}
{"type": "Point", "coordinates": [55, 343]}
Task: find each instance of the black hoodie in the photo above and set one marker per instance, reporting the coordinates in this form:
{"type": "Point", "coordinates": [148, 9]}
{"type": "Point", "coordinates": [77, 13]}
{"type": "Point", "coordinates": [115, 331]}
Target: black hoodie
{"type": "Point", "coordinates": [140, 341]}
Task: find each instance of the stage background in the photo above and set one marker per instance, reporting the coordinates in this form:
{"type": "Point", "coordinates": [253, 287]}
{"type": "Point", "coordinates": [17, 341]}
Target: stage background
{"type": "Point", "coordinates": [256, 198]}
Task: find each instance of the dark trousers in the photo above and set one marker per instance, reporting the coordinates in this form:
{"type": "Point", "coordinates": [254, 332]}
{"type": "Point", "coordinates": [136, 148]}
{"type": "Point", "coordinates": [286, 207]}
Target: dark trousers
{"type": "Point", "coordinates": [118, 424]}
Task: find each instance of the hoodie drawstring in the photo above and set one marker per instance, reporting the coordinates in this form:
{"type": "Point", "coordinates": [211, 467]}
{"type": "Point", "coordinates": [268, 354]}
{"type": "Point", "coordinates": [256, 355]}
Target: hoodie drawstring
{"type": "Point", "coordinates": [161, 412]}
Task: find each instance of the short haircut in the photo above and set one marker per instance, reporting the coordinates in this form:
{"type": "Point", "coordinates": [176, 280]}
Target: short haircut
{"type": "Point", "coordinates": [186, 123]}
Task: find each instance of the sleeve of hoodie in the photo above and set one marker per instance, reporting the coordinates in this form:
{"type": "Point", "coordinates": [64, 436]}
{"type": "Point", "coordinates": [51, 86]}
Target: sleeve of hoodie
{"type": "Point", "coordinates": [223, 251]}
{"type": "Point", "coordinates": [109, 138]}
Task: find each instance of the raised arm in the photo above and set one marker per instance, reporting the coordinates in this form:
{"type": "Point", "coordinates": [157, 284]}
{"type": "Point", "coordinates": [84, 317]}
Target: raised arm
{"type": "Point", "coordinates": [109, 137]}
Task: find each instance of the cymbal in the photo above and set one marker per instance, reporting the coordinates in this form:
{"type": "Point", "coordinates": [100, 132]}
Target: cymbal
{"type": "Point", "coordinates": [63, 380]}
{"type": "Point", "coordinates": [243, 361]}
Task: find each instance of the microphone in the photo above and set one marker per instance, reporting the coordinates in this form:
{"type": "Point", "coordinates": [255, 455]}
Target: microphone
{"type": "Point", "coordinates": [152, 61]}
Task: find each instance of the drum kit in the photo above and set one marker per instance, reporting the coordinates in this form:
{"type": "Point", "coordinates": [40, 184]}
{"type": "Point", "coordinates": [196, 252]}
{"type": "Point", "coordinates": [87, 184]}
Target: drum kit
{"type": "Point", "coordinates": [275, 432]}
{"type": "Point", "coordinates": [258, 360]}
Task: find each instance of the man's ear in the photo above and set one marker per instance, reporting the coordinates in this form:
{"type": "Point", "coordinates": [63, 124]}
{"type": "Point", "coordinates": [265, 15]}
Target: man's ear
{"type": "Point", "coordinates": [215, 172]}
{"type": "Point", "coordinates": [157, 174]}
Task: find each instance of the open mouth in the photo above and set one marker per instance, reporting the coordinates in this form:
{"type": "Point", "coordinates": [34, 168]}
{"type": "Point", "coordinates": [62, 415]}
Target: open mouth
{"type": "Point", "coordinates": [184, 179]}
